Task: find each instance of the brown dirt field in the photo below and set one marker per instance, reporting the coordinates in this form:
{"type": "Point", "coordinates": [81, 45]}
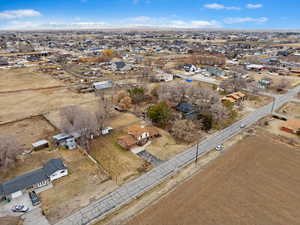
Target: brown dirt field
{"type": "Point", "coordinates": [257, 182]}
{"type": "Point", "coordinates": [25, 78]}
{"type": "Point", "coordinates": [291, 109]}
{"type": "Point", "coordinates": [118, 162]}
{"type": "Point", "coordinates": [83, 185]}
{"type": "Point", "coordinates": [24, 104]}
{"type": "Point", "coordinates": [28, 131]}
{"type": "Point", "coordinates": [10, 220]}
{"type": "Point", "coordinates": [165, 147]}
{"type": "Point", "coordinates": [257, 101]}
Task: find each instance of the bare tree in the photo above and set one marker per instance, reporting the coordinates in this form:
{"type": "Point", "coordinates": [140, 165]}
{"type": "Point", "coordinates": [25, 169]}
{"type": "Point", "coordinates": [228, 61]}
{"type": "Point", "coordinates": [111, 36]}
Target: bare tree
{"type": "Point", "coordinates": [68, 115]}
{"type": "Point", "coordinates": [104, 111]}
{"type": "Point", "coordinates": [282, 85]}
{"type": "Point", "coordinates": [184, 130]}
{"type": "Point", "coordinates": [233, 84]}
{"type": "Point", "coordinates": [175, 93]}
{"type": "Point", "coordinates": [86, 126]}
{"type": "Point", "coordinates": [76, 119]}
{"type": "Point", "coordinates": [9, 149]}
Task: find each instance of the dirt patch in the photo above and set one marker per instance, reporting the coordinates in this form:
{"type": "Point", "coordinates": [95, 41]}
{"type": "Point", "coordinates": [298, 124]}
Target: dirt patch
{"type": "Point", "coordinates": [257, 101]}
{"type": "Point", "coordinates": [10, 220]}
{"type": "Point", "coordinates": [165, 147]}
{"type": "Point", "coordinates": [254, 183]}
{"type": "Point", "coordinates": [25, 78]}
{"type": "Point", "coordinates": [291, 109]}
{"type": "Point", "coordinates": [274, 127]}
{"type": "Point", "coordinates": [28, 131]}
{"type": "Point", "coordinates": [118, 162]}
{"type": "Point", "coordinates": [25, 104]}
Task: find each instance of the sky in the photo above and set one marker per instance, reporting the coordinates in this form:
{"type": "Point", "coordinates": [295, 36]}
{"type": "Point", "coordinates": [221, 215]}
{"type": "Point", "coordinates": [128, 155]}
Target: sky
{"type": "Point", "coordinates": [225, 14]}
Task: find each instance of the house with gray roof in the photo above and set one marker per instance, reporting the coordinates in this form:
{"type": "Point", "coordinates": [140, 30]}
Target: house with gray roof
{"type": "Point", "coordinates": [52, 170]}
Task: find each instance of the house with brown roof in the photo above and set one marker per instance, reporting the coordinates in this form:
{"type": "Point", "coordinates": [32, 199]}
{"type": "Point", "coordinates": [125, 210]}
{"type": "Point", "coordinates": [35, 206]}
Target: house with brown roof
{"type": "Point", "coordinates": [137, 136]}
{"type": "Point", "coordinates": [291, 126]}
{"type": "Point", "coordinates": [235, 97]}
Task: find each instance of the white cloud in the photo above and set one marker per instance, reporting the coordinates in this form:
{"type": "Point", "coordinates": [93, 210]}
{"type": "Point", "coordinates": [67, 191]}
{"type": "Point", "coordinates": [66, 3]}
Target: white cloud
{"type": "Point", "coordinates": [135, 22]}
{"type": "Point", "coordinates": [140, 19]}
{"type": "Point", "coordinates": [245, 20]}
{"type": "Point", "coordinates": [21, 13]}
{"type": "Point", "coordinates": [254, 6]}
{"type": "Point", "coordinates": [220, 6]}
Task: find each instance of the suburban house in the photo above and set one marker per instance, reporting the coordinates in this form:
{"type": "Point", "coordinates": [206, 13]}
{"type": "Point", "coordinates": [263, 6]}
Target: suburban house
{"type": "Point", "coordinates": [120, 66]}
{"type": "Point", "coordinates": [137, 136]}
{"type": "Point", "coordinates": [188, 110]}
{"type": "Point", "coordinates": [52, 170]}
{"type": "Point", "coordinates": [291, 126]}
{"type": "Point", "coordinates": [236, 97]}
{"type": "Point", "coordinates": [265, 82]}
{"type": "Point", "coordinates": [67, 141]}
{"type": "Point", "coordinates": [190, 68]}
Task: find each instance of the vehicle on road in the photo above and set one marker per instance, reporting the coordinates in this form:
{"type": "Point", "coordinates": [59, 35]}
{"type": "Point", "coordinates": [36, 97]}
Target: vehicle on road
{"type": "Point", "coordinates": [34, 198]}
{"type": "Point", "coordinates": [20, 208]}
{"type": "Point", "coordinates": [220, 147]}
{"type": "Point", "coordinates": [242, 125]}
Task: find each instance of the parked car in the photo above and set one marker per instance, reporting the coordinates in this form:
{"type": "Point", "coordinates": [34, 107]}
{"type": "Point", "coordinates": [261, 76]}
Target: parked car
{"type": "Point", "coordinates": [106, 130]}
{"type": "Point", "coordinates": [34, 198]}
{"type": "Point", "coordinates": [220, 147]}
{"type": "Point", "coordinates": [20, 208]}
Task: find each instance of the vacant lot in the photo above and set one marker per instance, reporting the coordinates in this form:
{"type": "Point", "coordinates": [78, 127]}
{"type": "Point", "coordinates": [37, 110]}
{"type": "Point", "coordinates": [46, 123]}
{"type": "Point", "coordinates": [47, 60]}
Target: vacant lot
{"type": "Point", "coordinates": [25, 78]}
{"type": "Point", "coordinates": [24, 104]}
{"type": "Point", "coordinates": [291, 109]}
{"type": "Point", "coordinates": [118, 162]}
{"type": "Point", "coordinates": [28, 131]}
{"type": "Point", "coordinates": [257, 182]}
{"type": "Point", "coordinates": [257, 101]}
{"type": "Point", "coordinates": [165, 147]}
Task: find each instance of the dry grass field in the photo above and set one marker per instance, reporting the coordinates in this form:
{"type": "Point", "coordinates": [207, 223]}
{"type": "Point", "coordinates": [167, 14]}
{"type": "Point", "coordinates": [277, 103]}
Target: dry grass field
{"type": "Point", "coordinates": [291, 109]}
{"type": "Point", "coordinates": [121, 164]}
{"type": "Point", "coordinates": [24, 104]}
{"type": "Point", "coordinates": [24, 93]}
{"type": "Point", "coordinates": [256, 182]}
{"type": "Point", "coordinates": [28, 131]}
{"type": "Point", "coordinates": [25, 78]}
{"type": "Point", "coordinates": [165, 147]}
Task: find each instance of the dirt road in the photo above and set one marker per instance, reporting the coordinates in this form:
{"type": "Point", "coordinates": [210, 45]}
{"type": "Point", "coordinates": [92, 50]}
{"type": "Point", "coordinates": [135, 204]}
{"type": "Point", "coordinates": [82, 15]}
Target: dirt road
{"type": "Point", "coordinates": [257, 183]}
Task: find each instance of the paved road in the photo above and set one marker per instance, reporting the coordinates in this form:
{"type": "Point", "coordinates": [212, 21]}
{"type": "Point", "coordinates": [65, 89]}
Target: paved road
{"type": "Point", "coordinates": [118, 198]}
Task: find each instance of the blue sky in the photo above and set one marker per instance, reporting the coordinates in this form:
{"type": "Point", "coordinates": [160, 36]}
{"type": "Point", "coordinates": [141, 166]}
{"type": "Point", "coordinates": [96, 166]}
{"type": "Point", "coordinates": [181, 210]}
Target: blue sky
{"type": "Point", "coordinates": [241, 14]}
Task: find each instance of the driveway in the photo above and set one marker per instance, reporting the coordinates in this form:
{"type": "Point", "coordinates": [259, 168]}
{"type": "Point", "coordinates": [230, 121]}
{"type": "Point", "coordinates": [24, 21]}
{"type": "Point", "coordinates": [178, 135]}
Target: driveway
{"type": "Point", "coordinates": [33, 217]}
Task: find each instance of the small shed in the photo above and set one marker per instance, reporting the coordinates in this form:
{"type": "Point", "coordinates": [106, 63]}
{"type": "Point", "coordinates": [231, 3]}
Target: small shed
{"type": "Point", "coordinates": [39, 145]}
{"type": "Point", "coordinates": [102, 85]}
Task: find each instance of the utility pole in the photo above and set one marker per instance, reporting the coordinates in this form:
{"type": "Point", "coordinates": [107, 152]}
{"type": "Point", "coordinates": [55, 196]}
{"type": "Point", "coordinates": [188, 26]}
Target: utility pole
{"type": "Point", "coordinates": [197, 152]}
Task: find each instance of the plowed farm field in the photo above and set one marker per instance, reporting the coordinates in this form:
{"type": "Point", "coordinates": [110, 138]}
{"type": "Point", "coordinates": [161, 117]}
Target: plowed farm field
{"type": "Point", "coordinates": [257, 182]}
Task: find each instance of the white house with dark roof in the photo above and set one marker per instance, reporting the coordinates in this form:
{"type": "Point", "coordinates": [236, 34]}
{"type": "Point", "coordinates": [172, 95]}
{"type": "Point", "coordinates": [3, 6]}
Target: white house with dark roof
{"type": "Point", "coordinates": [52, 170]}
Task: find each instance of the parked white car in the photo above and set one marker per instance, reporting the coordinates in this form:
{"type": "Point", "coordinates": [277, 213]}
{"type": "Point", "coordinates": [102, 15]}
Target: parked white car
{"type": "Point", "coordinates": [106, 130]}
